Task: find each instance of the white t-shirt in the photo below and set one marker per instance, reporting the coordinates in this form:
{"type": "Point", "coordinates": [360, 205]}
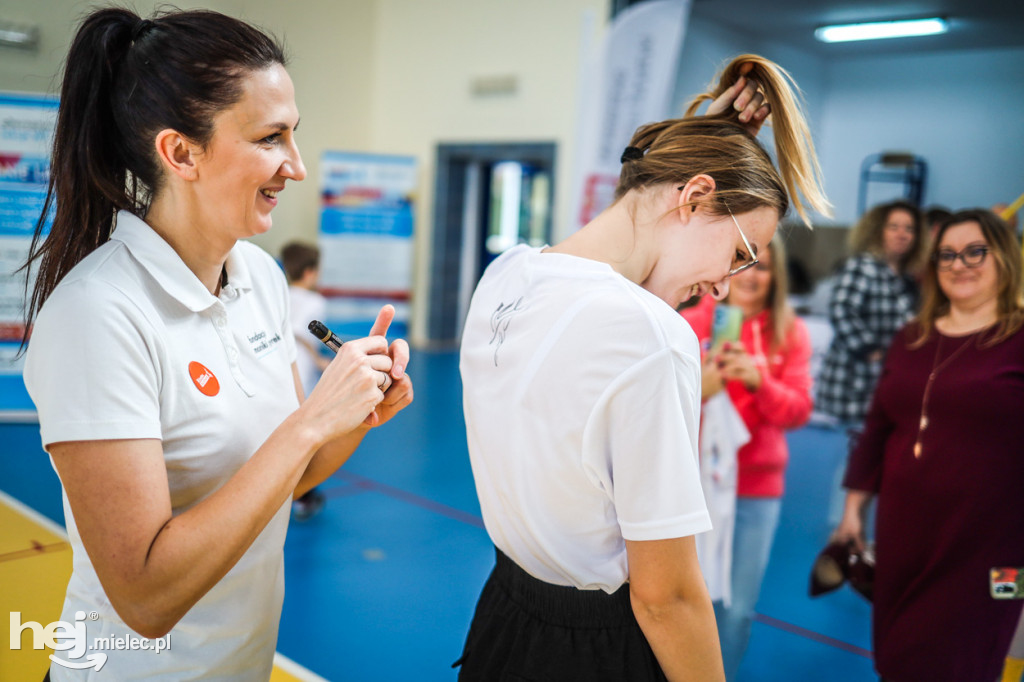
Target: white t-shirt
{"type": "Point", "coordinates": [131, 345]}
{"type": "Point", "coordinates": [306, 306]}
{"type": "Point", "coordinates": [582, 397]}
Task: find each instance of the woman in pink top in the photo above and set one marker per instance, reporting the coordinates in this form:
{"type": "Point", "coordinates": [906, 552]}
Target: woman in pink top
{"type": "Point", "coordinates": [767, 377]}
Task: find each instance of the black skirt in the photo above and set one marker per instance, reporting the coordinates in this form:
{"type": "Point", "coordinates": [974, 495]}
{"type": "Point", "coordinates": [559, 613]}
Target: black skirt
{"type": "Point", "coordinates": [527, 629]}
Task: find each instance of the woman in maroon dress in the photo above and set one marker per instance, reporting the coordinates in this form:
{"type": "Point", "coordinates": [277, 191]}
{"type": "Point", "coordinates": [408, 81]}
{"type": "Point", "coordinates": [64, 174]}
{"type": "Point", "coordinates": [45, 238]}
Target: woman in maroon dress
{"type": "Point", "coordinates": [943, 448]}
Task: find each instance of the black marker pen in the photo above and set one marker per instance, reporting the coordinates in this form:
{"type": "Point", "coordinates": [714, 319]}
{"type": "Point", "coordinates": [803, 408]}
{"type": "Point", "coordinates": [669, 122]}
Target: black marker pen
{"type": "Point", "coordinates": [329, 338]}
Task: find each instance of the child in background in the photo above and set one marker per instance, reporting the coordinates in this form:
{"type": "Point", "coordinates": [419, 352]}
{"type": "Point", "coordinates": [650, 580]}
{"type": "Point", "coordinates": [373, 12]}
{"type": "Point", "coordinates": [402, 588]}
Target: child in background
{"type": "Point", "coordinates": [301, 263]}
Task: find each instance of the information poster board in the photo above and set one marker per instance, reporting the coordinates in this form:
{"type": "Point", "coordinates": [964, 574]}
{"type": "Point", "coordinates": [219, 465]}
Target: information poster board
{"type": "Point", "coordinates": [26, 136]}
{"type": "Point", "coordinates": [366, 239]}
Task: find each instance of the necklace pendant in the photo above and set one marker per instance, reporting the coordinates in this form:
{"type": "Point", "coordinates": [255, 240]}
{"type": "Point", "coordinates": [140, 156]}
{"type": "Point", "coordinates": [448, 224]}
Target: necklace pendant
{"type": "Point", "coordinates": [924, 422]}
{"type": "Point", "coordinates": [917, 450]}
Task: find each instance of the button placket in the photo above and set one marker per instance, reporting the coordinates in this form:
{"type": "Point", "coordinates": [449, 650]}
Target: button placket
{"type": "Point", "coordinates": [227, 341]}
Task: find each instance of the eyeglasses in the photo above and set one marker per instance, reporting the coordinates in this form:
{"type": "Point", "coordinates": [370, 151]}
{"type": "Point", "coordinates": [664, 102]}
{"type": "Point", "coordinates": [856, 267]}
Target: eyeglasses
{"type": "Point", "coordinates": [746, 244]}
{"type": "Point", "coordinates": [972, 257]}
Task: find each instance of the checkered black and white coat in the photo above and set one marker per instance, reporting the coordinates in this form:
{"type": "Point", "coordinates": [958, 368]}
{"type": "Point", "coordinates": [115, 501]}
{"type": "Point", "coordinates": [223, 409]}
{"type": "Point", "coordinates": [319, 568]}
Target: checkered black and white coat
{"type": "Point", "coordinates": [869, 304]}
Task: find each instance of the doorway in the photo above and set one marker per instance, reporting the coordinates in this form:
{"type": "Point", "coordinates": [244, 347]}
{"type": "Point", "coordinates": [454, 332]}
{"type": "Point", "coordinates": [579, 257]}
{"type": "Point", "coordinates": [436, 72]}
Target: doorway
{"type": "Point", "coordinates": [488, 198]}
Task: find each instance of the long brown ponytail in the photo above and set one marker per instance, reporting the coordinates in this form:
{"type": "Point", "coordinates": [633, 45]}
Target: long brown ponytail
{"type": "Point", "coordinates": [722, 147]}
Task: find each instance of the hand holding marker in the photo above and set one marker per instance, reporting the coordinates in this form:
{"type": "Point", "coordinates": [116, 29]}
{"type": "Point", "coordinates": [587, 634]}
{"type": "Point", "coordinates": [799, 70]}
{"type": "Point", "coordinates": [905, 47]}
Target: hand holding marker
{"type": "Point", "coordinates": [331, 340]}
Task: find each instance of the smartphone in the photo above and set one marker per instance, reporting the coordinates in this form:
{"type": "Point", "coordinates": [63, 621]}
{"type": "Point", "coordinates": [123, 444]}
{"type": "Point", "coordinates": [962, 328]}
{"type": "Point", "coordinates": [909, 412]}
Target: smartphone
{"type": "Point", "coordinates": [726, 324]}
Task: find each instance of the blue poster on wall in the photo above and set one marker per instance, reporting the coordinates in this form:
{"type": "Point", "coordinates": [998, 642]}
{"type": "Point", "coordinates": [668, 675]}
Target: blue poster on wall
{"type": "Point", "coordinates": [366, 239]}
{"type": "Point", "coordinates": [26, 134]}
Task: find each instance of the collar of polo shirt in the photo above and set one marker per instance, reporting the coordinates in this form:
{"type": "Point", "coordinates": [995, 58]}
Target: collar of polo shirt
{"type": "Point", "coordinates": [169, 270]}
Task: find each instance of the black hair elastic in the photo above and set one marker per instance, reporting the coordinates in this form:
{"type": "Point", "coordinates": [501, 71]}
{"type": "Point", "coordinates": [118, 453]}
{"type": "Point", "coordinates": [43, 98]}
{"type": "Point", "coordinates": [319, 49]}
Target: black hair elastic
{"type": "Point", "coordinates": [631, 154]}
{"type": "Point", "coordinates": [142, 27]}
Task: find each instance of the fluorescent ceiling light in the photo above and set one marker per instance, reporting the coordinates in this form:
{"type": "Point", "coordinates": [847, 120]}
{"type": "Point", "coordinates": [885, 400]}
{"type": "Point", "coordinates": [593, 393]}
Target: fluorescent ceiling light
{"type": "Point", "coordinates": [881, 29]}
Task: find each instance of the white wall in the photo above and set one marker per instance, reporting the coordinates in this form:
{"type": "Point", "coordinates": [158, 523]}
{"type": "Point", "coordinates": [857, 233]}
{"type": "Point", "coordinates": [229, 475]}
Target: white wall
{"type": "Point", "coordinates": [961, 111]}
{"type": "Point", "coordinates": [426, 56]}
{"type": "Point", "coordinates": [35, 71]}
{"type": "Point", "coordinates": [388, 76]}
{"type": "Point", "coordinates": [394, 76]}
{"type": "Point", "coordinates": [330, 43]}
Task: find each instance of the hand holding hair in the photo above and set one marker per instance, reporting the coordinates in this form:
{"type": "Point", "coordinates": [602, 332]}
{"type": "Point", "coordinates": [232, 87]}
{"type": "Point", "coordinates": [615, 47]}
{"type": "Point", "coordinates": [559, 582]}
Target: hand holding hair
{"type": "Point", "coordinates": [765, 84]}
{"type": "Point", "coordinates": [749, 90]}
{"type": "Point", "coordinates": [745, 97]}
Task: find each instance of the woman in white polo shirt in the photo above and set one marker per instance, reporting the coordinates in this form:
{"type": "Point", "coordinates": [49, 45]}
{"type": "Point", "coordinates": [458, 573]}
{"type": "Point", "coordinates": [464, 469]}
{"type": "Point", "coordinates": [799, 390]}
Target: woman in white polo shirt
{"type": "Point", "coordinates": [582, 390]}
{"type": "Point", "coordinates": [162, 360]}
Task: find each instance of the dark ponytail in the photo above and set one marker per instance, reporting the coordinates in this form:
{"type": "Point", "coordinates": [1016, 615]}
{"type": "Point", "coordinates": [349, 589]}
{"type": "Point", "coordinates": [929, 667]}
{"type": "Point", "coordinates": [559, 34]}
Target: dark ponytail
{"type": "Point", "coordinates": [125, 79]}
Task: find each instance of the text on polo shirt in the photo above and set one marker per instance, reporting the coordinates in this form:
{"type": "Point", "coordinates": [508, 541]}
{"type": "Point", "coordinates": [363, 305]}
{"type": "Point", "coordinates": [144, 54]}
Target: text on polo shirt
{"type": "Point", "coordinates": [262, 344]}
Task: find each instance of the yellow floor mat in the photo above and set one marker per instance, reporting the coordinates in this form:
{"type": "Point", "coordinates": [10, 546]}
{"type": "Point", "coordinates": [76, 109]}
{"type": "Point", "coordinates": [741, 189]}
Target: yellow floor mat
{"type": "Point", "coordinates": [35, 565]}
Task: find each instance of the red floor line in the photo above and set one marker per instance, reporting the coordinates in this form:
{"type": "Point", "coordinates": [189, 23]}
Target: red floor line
{"type": "Point", "coordinates": [812, 635]}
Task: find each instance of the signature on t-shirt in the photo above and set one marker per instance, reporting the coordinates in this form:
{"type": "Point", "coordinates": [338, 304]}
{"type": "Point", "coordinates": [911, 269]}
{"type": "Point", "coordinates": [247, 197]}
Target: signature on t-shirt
{"type": "Point", "coordinates": [500, 320]}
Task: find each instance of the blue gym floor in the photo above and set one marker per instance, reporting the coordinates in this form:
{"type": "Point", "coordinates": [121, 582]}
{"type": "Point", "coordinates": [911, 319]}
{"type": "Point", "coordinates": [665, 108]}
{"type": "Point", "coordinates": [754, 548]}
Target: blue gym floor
{"type": "Point", "coordinates": [381, 584]}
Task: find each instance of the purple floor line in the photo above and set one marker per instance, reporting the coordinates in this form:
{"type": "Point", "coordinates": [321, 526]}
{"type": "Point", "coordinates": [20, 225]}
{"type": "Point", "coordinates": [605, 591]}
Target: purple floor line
{"type": "Point", "coordinates": [416, 500]}
{"type": "Point", "coordinates": [363, 483]}
{"type": "Point", "coordinates": [812, 635]}
{"type": "Point", "coordinates": [344, 490]}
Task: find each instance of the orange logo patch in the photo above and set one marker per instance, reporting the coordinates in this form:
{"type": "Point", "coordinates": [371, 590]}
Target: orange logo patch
{"type": "Point", "coordinates": [203, 379]}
